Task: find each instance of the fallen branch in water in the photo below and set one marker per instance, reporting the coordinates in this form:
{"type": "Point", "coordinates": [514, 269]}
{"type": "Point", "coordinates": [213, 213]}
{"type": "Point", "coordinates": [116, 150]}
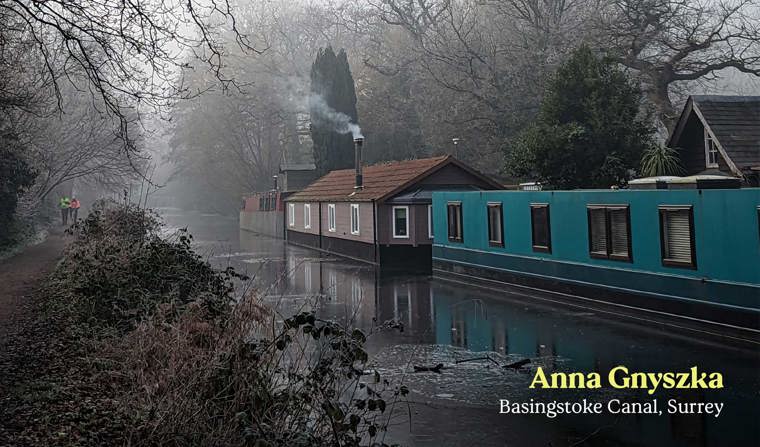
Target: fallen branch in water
{"type": "Point", "coordinates": [436, 369]}
{"type": "Point", "coordinates": [518, 364]}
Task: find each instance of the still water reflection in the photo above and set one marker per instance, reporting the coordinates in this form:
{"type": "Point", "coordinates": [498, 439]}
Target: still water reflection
{"type": "Point", "coordinates": [444, 323]}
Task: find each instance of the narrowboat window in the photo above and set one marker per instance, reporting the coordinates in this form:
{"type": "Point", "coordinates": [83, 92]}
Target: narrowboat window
{"type": "Point", "coordinates": [291, 214]}
{"type": "Point", "coordinates": [495, 225]}
{"type": "Point", "coordinates": [609, 232]}
{"type": "Point", "coordinates": [539, 218]}
{"type": "Point", "coordinates": [430, 221]}
{"type": "Point", "coordinates": [677, 236]}
{"type": "Point", "coordinates": [331, 217]}
{"type": "Point", "coordinates": [455, 221]}
{"type": "Point", "coordinates": [306, 215]}
{"type": "Point", "coordinates": [354, 218]}
{"type": "Point", "coordinates": [400, 221]}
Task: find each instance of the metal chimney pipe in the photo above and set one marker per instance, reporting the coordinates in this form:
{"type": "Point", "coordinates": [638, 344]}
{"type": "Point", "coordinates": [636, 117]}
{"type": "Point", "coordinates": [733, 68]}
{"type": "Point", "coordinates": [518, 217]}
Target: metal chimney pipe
{"type": "Point", "coordinates": [358, 142]}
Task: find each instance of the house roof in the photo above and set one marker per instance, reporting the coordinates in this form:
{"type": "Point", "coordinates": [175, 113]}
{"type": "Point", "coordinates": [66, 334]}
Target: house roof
{"type": "Point", "coordinates": [733, 120]}
{"type": "Point", "coordinates": [380, 181]}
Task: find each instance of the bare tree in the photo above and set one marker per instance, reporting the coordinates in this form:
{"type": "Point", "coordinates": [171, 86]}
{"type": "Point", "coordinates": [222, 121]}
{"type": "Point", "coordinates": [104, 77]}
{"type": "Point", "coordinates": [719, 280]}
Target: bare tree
{"type": "Point", "coordinates": [671, 42]}
{"type": "Point", "coordinates": [478, 67]}
{"type": "Point", "coordinates": [130, 52]}
{"type": "Point", "coordinates": [80, 145]}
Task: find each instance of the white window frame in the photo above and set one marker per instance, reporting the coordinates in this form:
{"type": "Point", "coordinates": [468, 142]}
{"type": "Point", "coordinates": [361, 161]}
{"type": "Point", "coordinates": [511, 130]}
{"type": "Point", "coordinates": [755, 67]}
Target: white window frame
{"type": "Point", "coordinates": [711, 147]}
{"type": "Point", "coordinates": [331, 217]}
{"type": "Point", "coordinates": [356, 207]}
{"type": "Point", "coordinates": [307, 216]}
{"type": "Point", "coordinates": [393, 217]}
{"type": "Point", "coordinates": [430, 221]}
{"type": "Point", "coordinates": [291, 214]}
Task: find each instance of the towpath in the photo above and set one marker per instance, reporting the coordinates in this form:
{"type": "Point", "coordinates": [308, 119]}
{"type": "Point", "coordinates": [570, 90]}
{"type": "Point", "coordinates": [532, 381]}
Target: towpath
{"type": "Point", "coordinates": [20, 276]}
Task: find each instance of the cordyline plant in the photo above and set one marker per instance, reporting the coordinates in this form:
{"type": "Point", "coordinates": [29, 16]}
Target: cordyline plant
{"type": "Point", "coordinates": [200, 366]}
{"type": "Point", "coordinates": [660, 160]}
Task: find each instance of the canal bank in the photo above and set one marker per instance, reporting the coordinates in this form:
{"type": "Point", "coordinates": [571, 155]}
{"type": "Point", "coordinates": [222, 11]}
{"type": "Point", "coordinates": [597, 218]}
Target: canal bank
{"type": "Point", "coordinates": [447, 322]}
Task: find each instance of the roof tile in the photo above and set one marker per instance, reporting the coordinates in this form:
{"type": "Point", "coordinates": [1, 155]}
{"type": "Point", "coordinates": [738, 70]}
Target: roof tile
{"type": "Point", "coordinates": [379, 180]}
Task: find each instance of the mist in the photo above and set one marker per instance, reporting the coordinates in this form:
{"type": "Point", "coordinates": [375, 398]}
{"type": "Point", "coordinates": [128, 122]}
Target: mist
{"type": "Point", "coordinates": [208, 127]}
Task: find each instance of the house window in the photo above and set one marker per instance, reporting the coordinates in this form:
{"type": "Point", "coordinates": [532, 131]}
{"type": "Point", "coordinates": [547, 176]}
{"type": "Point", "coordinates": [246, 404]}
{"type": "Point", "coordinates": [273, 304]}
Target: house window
{"type": "Point", "coordinates": [401, 221]}
{"type": "Point", "coordinates": [354, 218]}
{"type": "Point", "coordinates": [430, 221]}
{"type": "Point", "coordinates": [331, 217]}
{"type": "Point", "coordinates": [711, 151]}
{"type": "Point", "coordinates": [677, 236]}
{"type": "Point", "coordinates": [291, 214]}
{"type": "Point", "coordinates": [495, 225]}
{"type": "Point", "coordinates": [540, 228]}
{"type": "Point", "coordinates": [306, 216]}
{"type": "Point", "coordinates": [455, 221]}
{"type": "Point", "coordinates": [609, 232]}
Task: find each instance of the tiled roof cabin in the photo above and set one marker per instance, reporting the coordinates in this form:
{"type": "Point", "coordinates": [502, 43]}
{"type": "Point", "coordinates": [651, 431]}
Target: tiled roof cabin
{"type": "Point", "coordinates": [720, 134]}
{"type": "Point", "coordinates": [378, 214]}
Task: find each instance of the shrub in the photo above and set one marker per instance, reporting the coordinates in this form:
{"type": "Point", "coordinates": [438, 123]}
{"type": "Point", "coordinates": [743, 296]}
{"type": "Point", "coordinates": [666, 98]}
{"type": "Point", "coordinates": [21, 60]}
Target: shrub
{"type": "Point", "coordinates": [196, 366]}
{"type": "Point", "coordinates": [119, 268]}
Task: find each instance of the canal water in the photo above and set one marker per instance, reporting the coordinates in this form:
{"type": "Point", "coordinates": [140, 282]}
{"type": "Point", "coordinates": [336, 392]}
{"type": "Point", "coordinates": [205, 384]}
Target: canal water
{"type": "Point", "coordinates": [442, 322]}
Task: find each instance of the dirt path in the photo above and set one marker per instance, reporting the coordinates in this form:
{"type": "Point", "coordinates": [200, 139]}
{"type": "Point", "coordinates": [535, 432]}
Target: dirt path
{"type": "Point", "coordinates": [20, 276]}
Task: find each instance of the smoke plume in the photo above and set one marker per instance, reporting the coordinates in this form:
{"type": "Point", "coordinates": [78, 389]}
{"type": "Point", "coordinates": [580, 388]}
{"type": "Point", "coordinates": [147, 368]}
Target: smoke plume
{"type": "Point", "coordinates": [340, 121]}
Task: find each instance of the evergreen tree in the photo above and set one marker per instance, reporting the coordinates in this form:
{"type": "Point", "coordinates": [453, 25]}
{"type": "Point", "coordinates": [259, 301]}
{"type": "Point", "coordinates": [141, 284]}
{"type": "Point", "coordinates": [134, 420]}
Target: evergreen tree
{"type": "Point", "coordinates": [590, 131]}
{"type": "Point", "coordinates": [332, 87]}
{"type": "Point", "coordinates": [15, 176]}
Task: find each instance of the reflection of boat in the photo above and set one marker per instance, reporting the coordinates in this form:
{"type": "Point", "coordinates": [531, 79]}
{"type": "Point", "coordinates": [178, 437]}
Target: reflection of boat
{"type": "Point", "coordinates": [509, 326]}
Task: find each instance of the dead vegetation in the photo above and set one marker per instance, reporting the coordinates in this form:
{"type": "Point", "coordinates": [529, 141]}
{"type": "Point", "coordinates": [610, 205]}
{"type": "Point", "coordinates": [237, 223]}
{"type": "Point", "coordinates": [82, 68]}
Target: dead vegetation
{"type": "Point", "coordinates": [152, 347]}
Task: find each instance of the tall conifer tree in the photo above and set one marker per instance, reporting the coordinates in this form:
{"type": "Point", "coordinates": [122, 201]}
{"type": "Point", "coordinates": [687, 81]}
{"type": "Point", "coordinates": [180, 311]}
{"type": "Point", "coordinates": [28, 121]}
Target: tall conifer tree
{"type": "Point", "coordinates": [331, 80]}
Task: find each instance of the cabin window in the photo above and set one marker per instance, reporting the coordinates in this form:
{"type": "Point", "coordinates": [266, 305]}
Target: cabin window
{"type": "Point", "coordinates": [430, 221]}
{"type": "Point", "coordinates": [331, 217]}
{"type": "Point", "coordinates": [291, 214]}
{"type": "Point", "coordinates": [609, 232]}
{"type": "Point", "coordinates": [400, 221]}
{"type": "Point", "coordinates": [677, 236]}
{"type": "Point", "coordinates": [495, 225]}
{"type": "Point", "coordinates": [455, 221]}
{"type": "Point", "coordinates": [711, 151]}
{"type": "Point", "coordinates": [307, 215]}
{"type": "Point", "coordinates": [354, 218]}
{"type": "Point", "coordinates": [540, 228]}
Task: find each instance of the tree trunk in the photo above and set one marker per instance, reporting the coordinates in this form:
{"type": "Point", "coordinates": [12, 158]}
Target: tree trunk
{"type": "Point", "coordinates": [666, 114]}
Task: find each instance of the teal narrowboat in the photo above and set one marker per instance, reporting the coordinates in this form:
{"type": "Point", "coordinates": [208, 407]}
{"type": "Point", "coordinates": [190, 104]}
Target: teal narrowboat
{"type": "Point", "coordinates": [692, 255]}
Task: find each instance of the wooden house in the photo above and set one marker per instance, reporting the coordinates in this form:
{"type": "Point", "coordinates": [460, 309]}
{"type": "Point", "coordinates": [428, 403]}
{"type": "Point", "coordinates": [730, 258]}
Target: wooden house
{"type": "Point", "coordinates": [378, 214]}
{"type": "Point", "coordinates": [720, 134]}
